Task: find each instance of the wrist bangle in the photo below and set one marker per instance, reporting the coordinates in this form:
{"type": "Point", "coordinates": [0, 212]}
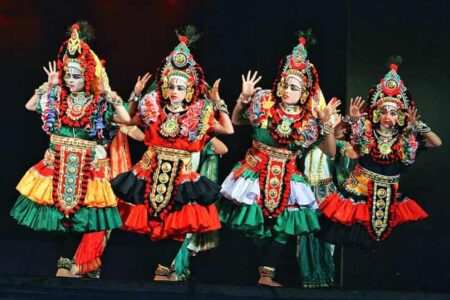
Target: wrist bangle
{"type": "Point", "coordinates": [42, 89]}
{"type": "Point", "coordinates": [347, 120]}
{"type": "Point", "coordinates": [422, 128]}
{"type": "Point", "coordinates": [244, 100]}
{"type": "Point", "coordinates": [327, 129]}
{"type": "Point", "coordinates": [113, 98]}
{"type": "Point", "coordinates": [134, 97]}
{"type": "Point", "coordinates": [221, 106]}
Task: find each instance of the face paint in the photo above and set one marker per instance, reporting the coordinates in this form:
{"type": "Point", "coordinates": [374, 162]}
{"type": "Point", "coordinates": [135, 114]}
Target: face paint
{"type": "Point", "coordinates": [388, 116]}
{"type": "Point", "coordinates": [177, 89]}
{"type": "Point", "coordinates": [74, 77]}
{"type": "Point", "coordinates": [292, 90]}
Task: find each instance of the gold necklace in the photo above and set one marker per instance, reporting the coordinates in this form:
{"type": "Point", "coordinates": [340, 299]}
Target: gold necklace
{"type": "Point", "coordinates": [171, 126]}
{"type": "Point", "coordinates": [292, 112]}
{"type": "Point", "coordinates": [76, 106]}
{"type": "Point", "coordinates": [385, 142]}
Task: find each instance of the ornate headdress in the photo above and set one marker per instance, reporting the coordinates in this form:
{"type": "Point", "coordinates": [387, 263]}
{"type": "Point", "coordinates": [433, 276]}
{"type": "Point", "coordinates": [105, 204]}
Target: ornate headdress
{"type": "Point", "coordinates": [180, 63]}
{"type": "Point", "coordinates": [76, 51]}
{"type": "Point", "coordinates": [390, 91]}
{"type": "Point", "coordinates": [297, 64]}
{"type": "Point", "coordinates": [72, 52]}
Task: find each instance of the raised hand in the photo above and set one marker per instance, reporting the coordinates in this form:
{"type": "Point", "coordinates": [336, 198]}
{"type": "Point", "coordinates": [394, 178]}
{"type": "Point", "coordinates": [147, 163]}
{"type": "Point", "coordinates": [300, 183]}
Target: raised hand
{"type": "Point", "coordinates": [354, 111]}
{"type": "Point", "coordinates": [331, 108]}
{"type": "Point", "coordinates": [413, 118]}
{"type": "Point", "coordinates": [140, 83]}
{"type": "Point", "coordinates": [214, 91]}
{"type": "Point", "coordinates": [248, 84]}
{"type": "Point", "coordinates": [52, 73]}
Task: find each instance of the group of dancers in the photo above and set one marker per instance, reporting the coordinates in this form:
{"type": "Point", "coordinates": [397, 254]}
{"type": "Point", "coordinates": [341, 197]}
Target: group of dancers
{"type": "Point", "coordinates": [311, 176]}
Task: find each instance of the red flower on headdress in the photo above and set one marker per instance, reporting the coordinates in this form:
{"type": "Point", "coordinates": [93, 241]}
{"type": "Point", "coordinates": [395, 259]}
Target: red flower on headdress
{"type": "Point", "coordinates": [302, 41]}
{"type": "Point", "coordinates": [394, 67]}
{"type": "Point", "coordinates": [183, 39]}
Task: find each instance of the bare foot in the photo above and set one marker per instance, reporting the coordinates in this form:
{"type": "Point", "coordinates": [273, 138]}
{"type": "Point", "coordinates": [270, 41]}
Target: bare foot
{"type": "Point", "coordinates": [63, 273]}
{"type": "Point", "coordinates": [268, 281]}
{"type": "Point", "coordinates": [171, 277]}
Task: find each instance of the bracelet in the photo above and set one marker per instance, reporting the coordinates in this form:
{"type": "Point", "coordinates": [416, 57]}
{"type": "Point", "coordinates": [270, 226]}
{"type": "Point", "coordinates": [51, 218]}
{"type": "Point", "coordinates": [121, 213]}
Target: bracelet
{"type": "Point", "coordinates": [422, 128]}
{"type": "Point", "coordinates": [348, 120]}
{"type": "Point", "coordinates": [327, 129]}
{"type": "Point", "coordinates": [243, 100]}
{"type": "Point", "coordinates": [113, 98]}
{"type": "Point", "coordinates": [134, 97]}
{"type": "Point", "coordinates": [42, 89]}
{"type": "Point", "coordinates": [221, 106]}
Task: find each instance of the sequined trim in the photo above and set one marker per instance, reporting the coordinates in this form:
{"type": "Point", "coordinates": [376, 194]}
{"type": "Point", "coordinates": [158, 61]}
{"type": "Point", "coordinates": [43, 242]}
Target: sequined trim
{"type": "Point", "coordinates": [381, 203]}
{"type": "Point", "coordinates": [274, 183]}
{"type": "Point", "coordinates": [375, 176]}
{"type": "Point", "coordinates": [171, 152]}
{"type": "Point", "coordinates": [74, 142]}
{"type": "Point", "coordinates": [71, 172]}
{"type": "Point", "coordinates": [273, 151]}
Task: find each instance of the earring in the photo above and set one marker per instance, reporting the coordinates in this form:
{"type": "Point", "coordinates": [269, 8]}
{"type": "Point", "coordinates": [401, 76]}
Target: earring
{"type": "Point", "coordinates": [304, 97]}
{"type": "Point", "coordinates": [280, 89]}
{"type": "Point", "coordinates": [164, 88]}
{"type": "Point", "coordinates": [376, 116]}
{"type": "Point", "coordinates": [401, 119]}
{"type": "Point", "coordinates": [189, 94]}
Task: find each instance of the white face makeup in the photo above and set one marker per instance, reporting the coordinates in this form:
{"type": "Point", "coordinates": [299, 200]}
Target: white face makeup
{"type": "Point", "coordinates": [74, 78]}
{"type": "Point", "coordinates": [177, 89]}
{"type": "Point", "coordinates": [292, 90]}
{"type": "Point", "coordinates": [388, 116]}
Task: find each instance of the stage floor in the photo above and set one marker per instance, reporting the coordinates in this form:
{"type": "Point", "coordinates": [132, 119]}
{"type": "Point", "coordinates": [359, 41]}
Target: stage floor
{"type": "Point", "coordinates": [15, 287]}
{"type": "Point", "coordinates": [28, 263]}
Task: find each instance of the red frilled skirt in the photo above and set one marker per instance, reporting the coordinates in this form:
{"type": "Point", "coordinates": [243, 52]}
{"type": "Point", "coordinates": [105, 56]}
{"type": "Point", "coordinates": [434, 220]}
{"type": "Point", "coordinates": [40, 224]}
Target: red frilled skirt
{"type": "Point", "coordinates": [377, 206]}
{"type": "Point", "coordinates": [162, 197]}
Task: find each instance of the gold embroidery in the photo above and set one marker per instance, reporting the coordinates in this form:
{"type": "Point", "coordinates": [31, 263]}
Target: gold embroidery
{"type": "Point", "coordinates": [273, 185]}
{"type": "Point", "coordinates": [74, 142]}
{"type": "Point", "coordinates": [272, 151]}
{"type": "Point", "coordinates": [380, 208]}
{"type": "Point", "coordinates": [162, 191]}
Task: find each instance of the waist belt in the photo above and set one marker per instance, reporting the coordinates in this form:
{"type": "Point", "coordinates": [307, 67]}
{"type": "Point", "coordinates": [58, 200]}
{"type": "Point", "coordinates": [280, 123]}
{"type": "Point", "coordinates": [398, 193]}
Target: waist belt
{"type": "Point", "coordinates": [74, 142]}
{"type": "Point", "coordinates": [375, 176]}
{"type": "Point", "coordinates": [171, 152]}
{"type": "Point", "coordinates": [273, 151]}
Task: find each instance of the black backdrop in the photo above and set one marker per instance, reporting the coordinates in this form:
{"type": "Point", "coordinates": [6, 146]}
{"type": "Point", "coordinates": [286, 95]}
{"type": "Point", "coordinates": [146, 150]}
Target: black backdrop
{"type": "Point", "coordinates": [354, 40]}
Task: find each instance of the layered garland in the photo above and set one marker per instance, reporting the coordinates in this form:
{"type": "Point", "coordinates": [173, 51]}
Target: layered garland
{"type": "Point", "coordinates": [68, 116]}
{"type": "Point", "coordinates": [286, 128]}
{"type": "Point", "coordinates": [56, 112]}
{"type": "Point", "coordinates": [403, 149]}
{"type": "Point", "coordinates": [192, 124]}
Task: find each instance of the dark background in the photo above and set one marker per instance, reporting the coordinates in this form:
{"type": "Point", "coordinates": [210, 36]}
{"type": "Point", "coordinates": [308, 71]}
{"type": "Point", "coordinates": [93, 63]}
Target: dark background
{"type": "Point", "coordinates": [355, 38]}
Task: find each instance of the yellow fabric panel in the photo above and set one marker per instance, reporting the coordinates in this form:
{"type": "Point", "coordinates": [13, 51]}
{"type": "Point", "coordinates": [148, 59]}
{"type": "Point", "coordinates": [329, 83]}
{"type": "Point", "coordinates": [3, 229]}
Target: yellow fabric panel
{"type": "Point", "coordinates": [100, 194]}
{"type": "Point", "coordinates": [36, 187]}
{"type": "Point", "coordinates": [322, 103]}
{"type": "Point", "coordinates": [357, 184]}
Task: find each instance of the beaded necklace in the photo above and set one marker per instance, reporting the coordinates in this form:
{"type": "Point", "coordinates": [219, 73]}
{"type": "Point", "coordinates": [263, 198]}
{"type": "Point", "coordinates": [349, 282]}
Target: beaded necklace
{"type": "Point", "coordinates": [171, 126]}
